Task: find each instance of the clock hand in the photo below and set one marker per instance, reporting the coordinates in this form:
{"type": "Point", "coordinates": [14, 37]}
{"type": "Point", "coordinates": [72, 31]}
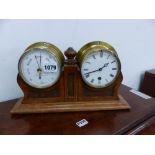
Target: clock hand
{"type": "Point", "coordinates": [100, 69]}
{"type": "Point", "coordinates": [92, 71]}
{"type": "Point", "coordinates": [39, 67]}
{"type": "Point", "coordinates": [105, 65]}
{"type": "Point", "coordinates": [39, 75]}
{"type": "Point", "coordinates": [39, 70]}
{"type": "Point", "coordinates": [37, 61]}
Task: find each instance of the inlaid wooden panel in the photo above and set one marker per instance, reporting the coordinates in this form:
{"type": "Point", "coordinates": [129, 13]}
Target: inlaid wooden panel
{"type": "Point", "coordinates": [51, 94]}
{"type": "Point", "coordinates": [70, 80]}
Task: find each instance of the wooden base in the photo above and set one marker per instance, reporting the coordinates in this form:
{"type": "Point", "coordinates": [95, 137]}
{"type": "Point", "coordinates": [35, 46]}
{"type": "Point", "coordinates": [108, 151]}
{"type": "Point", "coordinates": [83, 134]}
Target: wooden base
{"type": "Point", "coordinates": [20, 108]}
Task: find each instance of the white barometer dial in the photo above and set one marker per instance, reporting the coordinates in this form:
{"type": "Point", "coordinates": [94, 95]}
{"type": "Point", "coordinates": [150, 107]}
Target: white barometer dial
{"type": "Point", "coordinates": [40, 65]}
{"type": "Point", "coordinates": [99, 64]}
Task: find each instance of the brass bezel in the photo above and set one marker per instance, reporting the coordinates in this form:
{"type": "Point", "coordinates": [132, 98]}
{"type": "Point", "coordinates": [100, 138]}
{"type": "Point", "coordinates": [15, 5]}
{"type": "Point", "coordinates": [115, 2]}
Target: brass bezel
{"type": "Point", "coordinates": [94, 47]}
{"type": "Point", "coordinates": [47, 47]}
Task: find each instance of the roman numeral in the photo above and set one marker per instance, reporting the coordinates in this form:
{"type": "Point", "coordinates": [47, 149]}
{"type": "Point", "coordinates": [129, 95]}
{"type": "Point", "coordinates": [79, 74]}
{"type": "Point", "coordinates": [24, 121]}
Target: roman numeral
{"type": "Point", "coordinates": [85, 69]}
{"type": "Point", "coordinates": [106, 80]}
{"type": "Point", "coordinates": [94, 56]}
{"type": "Point", "coordinates": [92, 81]}
{"type": "Point", "coordinates": [88, 62]}
{"type": "Point", "coordinates": [111, 75]}
{"type": "Point", "coordinates": [101, 54]}
{"type": "Point", "coordinates": [113, 61]}
{"type": "Point", "coordinates": [108, 56]}
{"type": "Point", "coordinates": [114, 68]}
{"type": "Point", "coordinates": [29, 62]}
{"type": "Point", "coordinates": [87, 75]}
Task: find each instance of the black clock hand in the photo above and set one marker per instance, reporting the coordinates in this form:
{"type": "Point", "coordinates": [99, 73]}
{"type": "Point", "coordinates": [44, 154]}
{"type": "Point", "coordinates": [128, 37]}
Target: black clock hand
{"type": "Point", "coordinates": [39, 67]}
{"type": "Point", "coordinates": [92, 71]}
{"type": "Point", "coordinates": [100, 69]}
{"type": "Point", "coordinates": [105, 65]}
{"type": "Point", "coordinates": [39, 75]}
{"type": "Point", "coordinates": [37, 61]}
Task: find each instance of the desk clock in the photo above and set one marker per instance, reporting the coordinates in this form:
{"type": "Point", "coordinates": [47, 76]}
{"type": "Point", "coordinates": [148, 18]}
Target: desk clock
{"type": "Point", "coordinates": [87, 80]}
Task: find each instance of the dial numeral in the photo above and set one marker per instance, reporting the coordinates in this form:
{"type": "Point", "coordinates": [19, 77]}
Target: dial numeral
{"type": "Point", "coordinates": [85, 69]}
{"type": "Point", "coordinates": [101, 54]}
{"type": "Point", "coordinates": [87, 75]}
{"type": "Point", "coordinates": [88, 62]}
{"type": "Point", "coordinates": [92, 81]}
{"type": "Point", "coordinates": [108, 56]}
{"type": "Point", "coordinates": [106, 80]}
{"type": "Point", "coordinates": [113, 61]}
{"type": "Point", "coordinates": [111, 75]}
{"type": "Point", "coordinates": [114, 68]}
{"type": "Point", "coordinates": [94, 56]}
{"type": "Point", "coordinates": [29, 62]}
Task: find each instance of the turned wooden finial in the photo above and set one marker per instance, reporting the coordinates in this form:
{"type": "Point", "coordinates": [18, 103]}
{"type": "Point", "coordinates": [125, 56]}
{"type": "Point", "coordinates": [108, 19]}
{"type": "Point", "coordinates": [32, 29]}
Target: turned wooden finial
{"type": "Point", "coordinates": [70, 53]}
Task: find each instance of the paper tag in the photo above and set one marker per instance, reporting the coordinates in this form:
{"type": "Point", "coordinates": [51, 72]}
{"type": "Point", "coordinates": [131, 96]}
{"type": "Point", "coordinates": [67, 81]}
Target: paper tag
{"type": "Point", "coordinates": [82, 123]}
{"type": "Point", "coordinates": [140, 94]}
{"type": "Point", "coordinates": [50, 67]}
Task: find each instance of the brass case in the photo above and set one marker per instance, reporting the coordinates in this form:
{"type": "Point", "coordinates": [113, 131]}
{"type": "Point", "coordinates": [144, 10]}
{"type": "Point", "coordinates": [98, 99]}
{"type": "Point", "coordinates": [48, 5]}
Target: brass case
{"type": "Point", "coordinates": [50, 48]}
{"type": "Point", "coordinates": [44, 46]}
{"type": "Point", "coordinates": [96, 46]}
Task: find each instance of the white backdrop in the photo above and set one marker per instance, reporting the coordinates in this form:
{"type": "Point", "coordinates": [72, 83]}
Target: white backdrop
{"type": "Point", "coordinates": [134, 41]}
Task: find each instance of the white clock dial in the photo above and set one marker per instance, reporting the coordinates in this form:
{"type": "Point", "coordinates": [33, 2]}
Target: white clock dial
{"type": "Point", "coordinates": [100, 68]}
{"type": "Point", "coordinates": [39, 68]}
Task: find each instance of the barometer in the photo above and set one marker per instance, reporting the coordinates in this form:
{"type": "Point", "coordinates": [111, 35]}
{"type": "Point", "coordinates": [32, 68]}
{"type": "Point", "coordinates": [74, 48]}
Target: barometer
{"type": "Point", "coordinates": [40, 65]}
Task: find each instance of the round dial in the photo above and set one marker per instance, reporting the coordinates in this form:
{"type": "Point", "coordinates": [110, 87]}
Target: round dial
{"type": "Point", "coordinates": [99, 66]}
{"type": "Point", "coordinates": [39, 66]}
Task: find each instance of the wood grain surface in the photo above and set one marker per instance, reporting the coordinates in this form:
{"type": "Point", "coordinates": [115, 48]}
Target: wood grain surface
{"type": "Point", "coordinates": [99, 122]}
